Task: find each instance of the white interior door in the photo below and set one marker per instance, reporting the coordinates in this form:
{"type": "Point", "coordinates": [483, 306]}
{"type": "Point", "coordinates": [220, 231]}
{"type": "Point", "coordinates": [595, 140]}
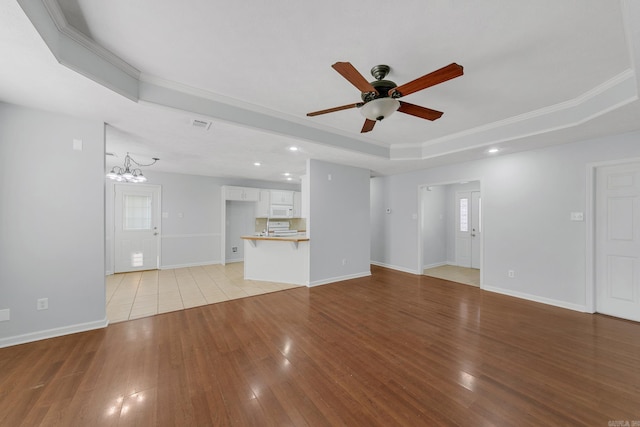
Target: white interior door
{"type": "Point", "coordinates": [137, 227]}
{"type": "Point", "coordinates": [617, 242]}
{"type": "Point", "coordinates": [476, 229]}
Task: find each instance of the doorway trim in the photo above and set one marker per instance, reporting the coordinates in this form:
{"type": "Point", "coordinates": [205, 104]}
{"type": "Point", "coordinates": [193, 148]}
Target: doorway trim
{"type": "Point", "coordinates": [590, 225]}
{"type": "Point", "coordinates": [420, 230]}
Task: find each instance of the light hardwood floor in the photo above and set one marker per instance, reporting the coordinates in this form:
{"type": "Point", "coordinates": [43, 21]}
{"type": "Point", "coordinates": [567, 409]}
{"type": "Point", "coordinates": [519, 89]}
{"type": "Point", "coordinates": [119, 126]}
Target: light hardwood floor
{"type": "Point", "coordinates": [392, 349]}
{"type": "Point", "coordinates": [146, 293]}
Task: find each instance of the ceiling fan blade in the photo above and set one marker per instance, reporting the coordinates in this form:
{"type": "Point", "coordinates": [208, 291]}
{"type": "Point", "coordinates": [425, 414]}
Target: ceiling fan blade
{"type": "Point", "coordinates": [331, 110]}
{"type": "Point", "coordinates": [449, 72]}
{"type": "Point", "coordinates": [368, 126]}
{"type": "Point", "coordinates": [418, 111]}
{"type": "Point", "coordinates": [350, 73]}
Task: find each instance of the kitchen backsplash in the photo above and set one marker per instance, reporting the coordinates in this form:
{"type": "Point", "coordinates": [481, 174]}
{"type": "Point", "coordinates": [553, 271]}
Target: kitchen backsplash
{"type": "Point", "coordinates": [299, 224]}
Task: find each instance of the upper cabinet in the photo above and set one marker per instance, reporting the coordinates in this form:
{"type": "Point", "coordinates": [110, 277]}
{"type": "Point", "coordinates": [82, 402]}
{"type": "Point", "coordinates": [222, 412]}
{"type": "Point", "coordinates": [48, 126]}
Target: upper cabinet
{"type": "Point", "coordinates": [244, 194]}
{"type": "Point", "coordinates": [262, 206]}
{"type": "Point", "coordinates": [265, 198]}
{"type": "Point", "coordinates": [281, 197]}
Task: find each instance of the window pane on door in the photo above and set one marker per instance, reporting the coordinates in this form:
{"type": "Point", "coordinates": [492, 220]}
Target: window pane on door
{"type": "Point", "coordinates": [464, 214]}
{"type": "Point", "coordinates": [137, 212]}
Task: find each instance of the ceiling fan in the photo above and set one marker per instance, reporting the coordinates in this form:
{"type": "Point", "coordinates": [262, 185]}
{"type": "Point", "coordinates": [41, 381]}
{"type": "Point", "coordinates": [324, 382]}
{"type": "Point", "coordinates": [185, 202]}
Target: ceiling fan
{"type": "Point", "coordinates": [380, 97]}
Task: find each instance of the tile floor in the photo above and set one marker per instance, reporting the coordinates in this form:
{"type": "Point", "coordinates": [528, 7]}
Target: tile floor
{"type": "Point", "coordinates": [467, 276]}
{"type": "Point", "coordinates": [146, 293]}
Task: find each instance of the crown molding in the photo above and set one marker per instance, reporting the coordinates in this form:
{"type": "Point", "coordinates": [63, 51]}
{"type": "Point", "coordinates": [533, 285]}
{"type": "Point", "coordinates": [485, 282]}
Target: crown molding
{"type": "Point", "coordinates": [211, 96]}
{"type": "Point", "coordinates": [608, 96]}
{"type": "Point", "coordinates": [60, 21]}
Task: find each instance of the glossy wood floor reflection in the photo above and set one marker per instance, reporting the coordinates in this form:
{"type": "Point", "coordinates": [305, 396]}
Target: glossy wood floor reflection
{"type": "Point", "coordinates": [392, 349]}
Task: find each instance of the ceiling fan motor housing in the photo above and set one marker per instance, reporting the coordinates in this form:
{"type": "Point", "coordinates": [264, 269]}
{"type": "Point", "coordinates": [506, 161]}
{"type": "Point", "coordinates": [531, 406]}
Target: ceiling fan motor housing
{"type": "Point", "coordinates": [382, 86]}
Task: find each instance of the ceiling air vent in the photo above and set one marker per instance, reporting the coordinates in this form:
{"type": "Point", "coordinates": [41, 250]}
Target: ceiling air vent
{"type": "Point", "coordinates": [200, 124]}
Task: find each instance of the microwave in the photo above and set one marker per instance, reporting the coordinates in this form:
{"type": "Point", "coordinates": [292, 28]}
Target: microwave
{"type": "Point", "coordinates": [281, 211]}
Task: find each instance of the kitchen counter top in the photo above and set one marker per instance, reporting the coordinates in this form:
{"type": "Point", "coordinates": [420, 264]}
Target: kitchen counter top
{"type": "Point", "coordinates": [293, 238]}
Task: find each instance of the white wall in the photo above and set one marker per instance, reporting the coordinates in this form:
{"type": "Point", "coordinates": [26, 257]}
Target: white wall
{"type": "Point", "coordinates": [240, 221]}
{"type": "Point", "coordinates": [51, 224]}
{"type": "Point", "coordinates": [190, 233]}
{"type": "Point", "coordinates": [339, 222]}
{"type": "Point", "coordinates": [527, 199]}
{"type": "Point", "coordinates": [434, 225]}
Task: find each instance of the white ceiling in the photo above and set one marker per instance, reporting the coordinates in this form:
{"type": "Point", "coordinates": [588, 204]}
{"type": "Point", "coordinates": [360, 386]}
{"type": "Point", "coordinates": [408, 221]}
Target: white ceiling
{"type": "Point", "coordinates": [536, 73]}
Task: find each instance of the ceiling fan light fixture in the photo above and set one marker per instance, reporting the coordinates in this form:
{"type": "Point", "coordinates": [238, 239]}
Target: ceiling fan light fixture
{"type": "Point", "coordinates": [380, 108]}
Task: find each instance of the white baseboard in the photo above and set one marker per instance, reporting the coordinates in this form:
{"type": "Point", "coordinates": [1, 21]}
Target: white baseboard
{"type": "Point", "coordinates": [339, 279]}
{"type": "Point", "coordinates": [535, 298]}
{"type": "Point", "coordinates": [395, 267]}
{"type": "Point", "coordinates": [191, 264]}
{"type": "Point", "coordinates": [437, 264]}
{"type": "Point", "coordinates": [52, 333]}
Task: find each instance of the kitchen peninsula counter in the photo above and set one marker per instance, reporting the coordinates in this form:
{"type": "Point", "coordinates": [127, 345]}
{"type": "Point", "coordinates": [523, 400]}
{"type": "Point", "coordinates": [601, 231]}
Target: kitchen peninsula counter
{"type": "Point", "coordinates": [283, 259]}
{"type": "Point", "coordinates": [292, 238]}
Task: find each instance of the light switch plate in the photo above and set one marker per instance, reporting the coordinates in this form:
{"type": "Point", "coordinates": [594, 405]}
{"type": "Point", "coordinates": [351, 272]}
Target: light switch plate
{"type": "Point", "coordinates": [577, 216]}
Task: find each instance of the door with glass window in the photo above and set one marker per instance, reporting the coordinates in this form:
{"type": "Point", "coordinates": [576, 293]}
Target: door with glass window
{"type": "Point", "coordinates": [468, 229]}
{"type": "Point", "coordinates": [137, 227]}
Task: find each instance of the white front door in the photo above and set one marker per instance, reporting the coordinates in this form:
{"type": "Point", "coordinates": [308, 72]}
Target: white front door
{"type": "Point", "coordinates": [468, 231]}
{"type": "Point", "coordinates": [137, 227]}
{"type": "Point", "coordinates": [476, 230]}
{"type": "Point", "coordinates": [617, 240]}
{"type": "Point", "coordinates": [463, 229]}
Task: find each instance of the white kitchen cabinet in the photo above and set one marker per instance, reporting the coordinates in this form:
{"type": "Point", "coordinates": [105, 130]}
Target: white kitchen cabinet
{"type": "Point", "coordinates": [297, 204]}
{"type": "Point", "coordinates": [262, 205]}
{"type": "Point", "coordinates": [244, 194]}
{"type": "Point", "coordinates": [281, 197]}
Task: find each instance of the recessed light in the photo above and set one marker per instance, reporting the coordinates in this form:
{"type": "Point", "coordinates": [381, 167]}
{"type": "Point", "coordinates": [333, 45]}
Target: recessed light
{"type": "Point", "coordinates": [493, 150]}
{"type": "Point", "coordinates": [286, 174]}
{"type": "Point", "coordinates": [289, 178]}
{"type": "Point", "coordinates": [256, 163]}
{"type": "Point", "coordinates": [293, 148]}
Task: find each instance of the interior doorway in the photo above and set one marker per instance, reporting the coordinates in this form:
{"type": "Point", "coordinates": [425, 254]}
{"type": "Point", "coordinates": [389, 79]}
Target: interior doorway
{"type": "Point", "coordinates": [451, 231]}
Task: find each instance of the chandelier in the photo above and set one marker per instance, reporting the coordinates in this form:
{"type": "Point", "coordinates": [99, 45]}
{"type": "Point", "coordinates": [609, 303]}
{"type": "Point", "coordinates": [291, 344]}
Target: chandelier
{"type": "Point", "coordinates": [127, 174]}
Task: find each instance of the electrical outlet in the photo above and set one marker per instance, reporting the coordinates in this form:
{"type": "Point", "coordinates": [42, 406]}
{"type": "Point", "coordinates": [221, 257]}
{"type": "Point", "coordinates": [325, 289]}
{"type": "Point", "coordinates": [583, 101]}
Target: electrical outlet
{"type": "Point", "coordinates": [234, 249]}
{"type": "Point", "coordinates": [5, 315]}
{"type": "Point", "coordinates": [43, 304]}
{"type": "Point", "coordinates": [511, 273]}
{"type": "Point", "coordinates": [344, 261]}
